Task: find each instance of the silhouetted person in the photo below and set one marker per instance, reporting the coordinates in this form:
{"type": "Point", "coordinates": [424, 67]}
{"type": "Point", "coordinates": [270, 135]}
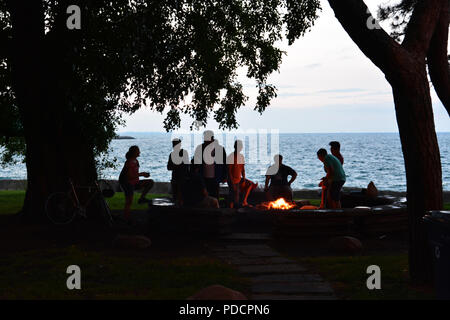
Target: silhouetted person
{"type": "Point", "coordinates": [236, 173]}
{"type": "Point", "coordinates": [277, 184]}
{"type": "Point", "coordinates": [179, 164]}
{"type": "Point", "coordinates": [129, 180]}
{"type": "Point", "coordinates": [335, 148]}
{"type": "Point", "coordinates": [210, 157]}
{"type": "Point", "coordinates": [195, 193]}
{"type": "Point", "coordinates": [245, 188]}
{"type": "Point", "coordinates": [335, 178]}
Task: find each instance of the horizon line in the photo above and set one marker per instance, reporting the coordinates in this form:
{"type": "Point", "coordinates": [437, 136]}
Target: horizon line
{"type": "Point", "coordinates": [348, 132]}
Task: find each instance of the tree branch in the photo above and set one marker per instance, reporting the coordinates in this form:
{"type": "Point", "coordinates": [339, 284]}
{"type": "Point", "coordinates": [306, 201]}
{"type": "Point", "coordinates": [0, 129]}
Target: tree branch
{"type": "Point", "coordinates": [373, 41]}
{"type": "Point", "coordinates": [422, 25]}
{"type": "Point", "coordinates": [438, 59]}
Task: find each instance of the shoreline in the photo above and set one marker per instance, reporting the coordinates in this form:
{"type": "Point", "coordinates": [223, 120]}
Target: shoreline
{"type": "Point", "coordinates": [164, 187]}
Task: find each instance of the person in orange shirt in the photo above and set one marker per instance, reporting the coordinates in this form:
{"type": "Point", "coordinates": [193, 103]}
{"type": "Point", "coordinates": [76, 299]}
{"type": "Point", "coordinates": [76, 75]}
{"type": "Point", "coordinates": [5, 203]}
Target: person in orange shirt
{"type": "Point", "coordinates": [236, 172]}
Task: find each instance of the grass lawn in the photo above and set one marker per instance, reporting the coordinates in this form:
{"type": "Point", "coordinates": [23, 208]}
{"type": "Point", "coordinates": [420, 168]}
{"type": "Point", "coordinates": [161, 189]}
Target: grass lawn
{"type": "Point", "coordinates": [11, 201]}
{"type": "Point", "coordinates": [314, 202]}
{"type": "Point", "coordinates": [348, 277]}
{"type": "Point", "coordinates": [34, 262]}
{"type": "Point", "coordinates": [41, 274]}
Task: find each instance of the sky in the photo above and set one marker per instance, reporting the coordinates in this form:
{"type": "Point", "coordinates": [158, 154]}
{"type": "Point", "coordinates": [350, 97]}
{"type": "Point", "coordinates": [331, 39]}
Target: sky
{"type": "Point", "coordinates": [325, 84]}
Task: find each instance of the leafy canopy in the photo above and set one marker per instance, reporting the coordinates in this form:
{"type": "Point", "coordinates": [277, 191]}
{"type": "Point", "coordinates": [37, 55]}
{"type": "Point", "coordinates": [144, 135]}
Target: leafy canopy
{"type": "Point", "coordinates": [159, 54]}
{"type": "Point", "coordinates": [399, 14]}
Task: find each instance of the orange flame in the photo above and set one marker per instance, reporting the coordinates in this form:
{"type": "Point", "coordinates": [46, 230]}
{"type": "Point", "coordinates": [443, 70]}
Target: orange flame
{"type": "Point", "coordinates": [280, 204]}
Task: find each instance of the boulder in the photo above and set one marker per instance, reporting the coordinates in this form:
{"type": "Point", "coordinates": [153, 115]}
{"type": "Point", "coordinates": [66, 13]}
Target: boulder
{"type": "Point", "coordinates": [347, 245]}
{"type": "Point", "coordinates": [372, 191]}
{"type": "Point", "coordinates": [217, 292]}
{"type": "Point", "coordinates": [132, 241]}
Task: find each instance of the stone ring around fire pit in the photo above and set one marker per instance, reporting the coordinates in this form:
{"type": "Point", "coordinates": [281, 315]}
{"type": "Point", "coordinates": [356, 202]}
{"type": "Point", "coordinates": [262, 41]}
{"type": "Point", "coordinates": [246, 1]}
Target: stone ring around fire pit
{"type": "Point", "coordinates": [363, 216]}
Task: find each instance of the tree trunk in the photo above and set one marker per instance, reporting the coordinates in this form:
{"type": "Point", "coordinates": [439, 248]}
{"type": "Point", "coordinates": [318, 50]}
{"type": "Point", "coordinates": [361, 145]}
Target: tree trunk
{"type": "Point", "coordinates": [438, 58]}
{"type": "Point", "coordinates": [422, 163]}
{"type": "Point", "coordinates": [56, 146]}
{"type": "Point", "coordinates": [404, 68]}
{"type": "Point", "coordinates": [51, 162]}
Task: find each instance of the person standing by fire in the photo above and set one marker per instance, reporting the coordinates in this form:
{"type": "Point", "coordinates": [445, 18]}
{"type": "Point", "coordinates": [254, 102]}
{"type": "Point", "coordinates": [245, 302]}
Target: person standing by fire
{"type": "Point", "coordinates": [210, 159]}
{"type": "Point", "coordinates": [277, 184]}
{"type": "Point", "coordinates": [335, 178]}
{"type": "Point", "coordinates": [335, 148]}
{"type": "Point", "coordinates": [236, 173]}
{"type": "Point", "coordinates": [179, 164]}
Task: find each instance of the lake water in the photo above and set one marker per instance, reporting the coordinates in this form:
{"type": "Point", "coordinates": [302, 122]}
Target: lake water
{"type": "Point", "coordinates": [368, 157]}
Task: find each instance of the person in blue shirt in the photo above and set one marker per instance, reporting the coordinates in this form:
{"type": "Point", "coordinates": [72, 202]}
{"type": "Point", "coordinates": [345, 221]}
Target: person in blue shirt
{"type": "Point", "coordinates": [335, 178]}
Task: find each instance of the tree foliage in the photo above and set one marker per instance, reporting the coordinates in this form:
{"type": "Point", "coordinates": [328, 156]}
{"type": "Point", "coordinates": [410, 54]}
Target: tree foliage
{"type": "Point", "coordinates": [180, 56]}
{"type": "Point", "coordinates": [11, 140]}
{"type": "Point", "coordinates": [398, 14]}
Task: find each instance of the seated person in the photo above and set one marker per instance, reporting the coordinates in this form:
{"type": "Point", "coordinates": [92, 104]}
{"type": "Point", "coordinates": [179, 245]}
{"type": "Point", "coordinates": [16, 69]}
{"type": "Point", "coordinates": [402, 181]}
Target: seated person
{"type": "Point", "coordinates": [245, 187]}
{"type": "Point", "coordinates": [129, 180]}
{"type": "Point", "coordinates": [334, 179]}
{"type": "Point", "coordinates": [277, 176]}
{"type": "Point", "coordinates": [178, 163]}
{"type": "Point", "coordinates": [195, 193]}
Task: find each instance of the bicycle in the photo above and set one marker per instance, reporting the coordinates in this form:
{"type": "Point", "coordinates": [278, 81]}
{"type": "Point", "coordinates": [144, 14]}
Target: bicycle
{"type": "Point", "coordinates": [63, 207]}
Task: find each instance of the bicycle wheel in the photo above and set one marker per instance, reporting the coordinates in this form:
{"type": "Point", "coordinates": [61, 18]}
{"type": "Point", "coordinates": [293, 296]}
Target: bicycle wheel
{"type": "Point", "coordinates": [60, 208]}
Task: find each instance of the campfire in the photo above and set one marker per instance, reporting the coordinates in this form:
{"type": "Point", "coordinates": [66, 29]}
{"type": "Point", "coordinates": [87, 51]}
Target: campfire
{"type": "Point", "coordinates": [279, 204]}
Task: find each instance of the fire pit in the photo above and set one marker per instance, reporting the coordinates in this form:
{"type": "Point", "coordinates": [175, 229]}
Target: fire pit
{"type": "Point", "coordinates": [279, 204]}
{"type": "Point", "coordinates": [300, 219]}
{"type": "Point", "coordinates": [283, 218]}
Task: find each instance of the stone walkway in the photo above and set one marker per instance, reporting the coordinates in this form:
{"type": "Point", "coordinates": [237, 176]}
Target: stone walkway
{"type": "Point", "coordinates": [272, 276]}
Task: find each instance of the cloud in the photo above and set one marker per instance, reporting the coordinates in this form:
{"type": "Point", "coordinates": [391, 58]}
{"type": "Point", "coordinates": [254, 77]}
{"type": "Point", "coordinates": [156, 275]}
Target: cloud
{"type": "Point", "coordinates": [321, 70]}
{"type": "Point", "coordinates": [341, 90]}
{"type": "Point", "coordinates": [313, 65]}
{"type": "Point", "coordinates": [292, 94]}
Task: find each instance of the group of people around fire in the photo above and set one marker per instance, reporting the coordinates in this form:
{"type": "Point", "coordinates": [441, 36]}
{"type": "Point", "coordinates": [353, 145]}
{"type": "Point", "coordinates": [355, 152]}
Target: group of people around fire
{"type": "Point", "coordinates": [196, 182]}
